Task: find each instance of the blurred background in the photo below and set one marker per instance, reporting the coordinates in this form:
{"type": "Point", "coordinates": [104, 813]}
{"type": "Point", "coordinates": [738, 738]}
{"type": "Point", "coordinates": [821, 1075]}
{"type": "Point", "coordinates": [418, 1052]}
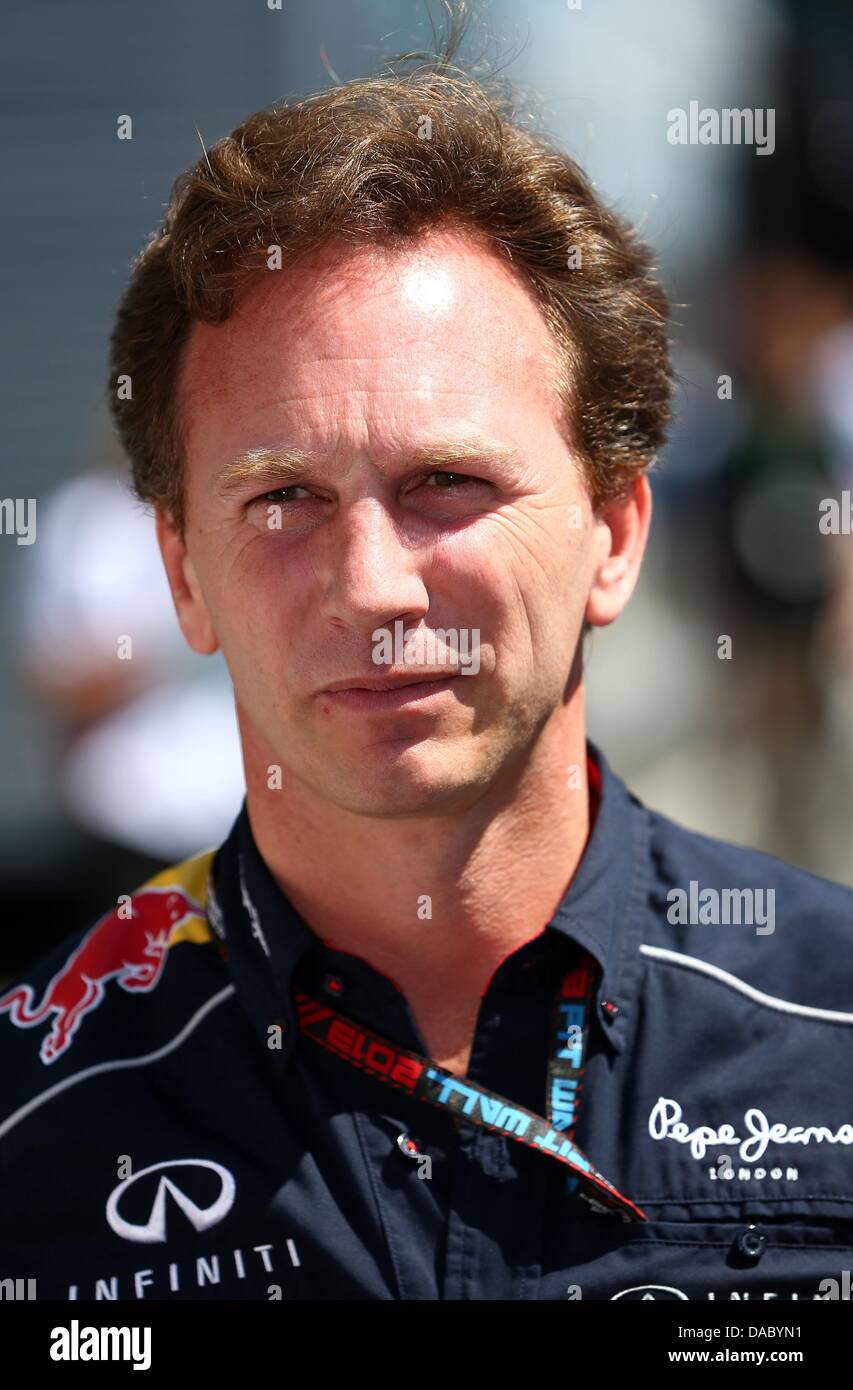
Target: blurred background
{"type": "Point", "coordinates": [112, 769]}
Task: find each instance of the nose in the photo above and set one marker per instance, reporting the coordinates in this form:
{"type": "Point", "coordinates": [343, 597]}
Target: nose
{"type": "Point", "coordinates": [373, 571]}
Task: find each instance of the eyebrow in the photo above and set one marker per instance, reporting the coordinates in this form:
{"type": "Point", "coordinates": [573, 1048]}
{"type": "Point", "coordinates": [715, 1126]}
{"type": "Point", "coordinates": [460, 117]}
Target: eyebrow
{"type": "Point", "coordinates": [276, 466]}
{"type": "Point", "coordinates": [258, 466]}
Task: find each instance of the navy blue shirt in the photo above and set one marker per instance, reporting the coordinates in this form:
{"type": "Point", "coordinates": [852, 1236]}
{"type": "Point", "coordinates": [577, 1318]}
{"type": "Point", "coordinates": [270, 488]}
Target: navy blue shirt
{"type": "Point", "coordinates": [166, 1131]}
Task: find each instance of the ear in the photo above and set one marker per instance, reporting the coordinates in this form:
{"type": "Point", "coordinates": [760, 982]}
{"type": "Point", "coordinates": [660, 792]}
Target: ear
{"type": "Point", "coordinates": [190, 606]}
{"type": "Point", "coordinates": [621, 532]}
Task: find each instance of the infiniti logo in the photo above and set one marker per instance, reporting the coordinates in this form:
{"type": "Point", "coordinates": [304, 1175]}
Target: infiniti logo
{"type": "Point", "coordinates": [154, 1229]}
{"type": "Point", "coordinates": [650, 1293]}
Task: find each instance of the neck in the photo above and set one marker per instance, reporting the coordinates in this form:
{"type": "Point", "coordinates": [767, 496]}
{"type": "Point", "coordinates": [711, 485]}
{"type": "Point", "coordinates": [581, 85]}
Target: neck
{"type": "Point", "coordinates": [437, 901]}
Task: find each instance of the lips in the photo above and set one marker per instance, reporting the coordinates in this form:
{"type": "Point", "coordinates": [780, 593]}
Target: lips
{"type": "Point", "coordinates": [415, 694]}
{"type": "Point", "coordinates": [390, 682]}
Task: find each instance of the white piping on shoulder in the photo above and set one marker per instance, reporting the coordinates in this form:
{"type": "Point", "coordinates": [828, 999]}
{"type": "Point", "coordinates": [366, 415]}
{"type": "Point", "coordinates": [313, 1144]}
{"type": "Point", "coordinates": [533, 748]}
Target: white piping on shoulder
{"type": "Point", "coordinates": [784, 1006]}
{"type": "Point", "coordinates": [44, 1096]}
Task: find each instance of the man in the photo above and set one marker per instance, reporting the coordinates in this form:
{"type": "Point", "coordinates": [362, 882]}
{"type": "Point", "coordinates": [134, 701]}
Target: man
{"type": "Point", "coordinates": [450, 1015]}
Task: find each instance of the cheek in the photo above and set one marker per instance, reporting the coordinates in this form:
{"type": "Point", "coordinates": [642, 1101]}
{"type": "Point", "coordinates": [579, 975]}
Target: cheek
{"type": "Point", "coordinates": [552, 607]}
{"type": "Point", "coordinates": [284, 630]}
{"type": "Point", "coordinates": [542, 565]}
{"type": "Point", "coordinates": [266, 574]}
{"type": "Point", "coordinates": [254, 598]}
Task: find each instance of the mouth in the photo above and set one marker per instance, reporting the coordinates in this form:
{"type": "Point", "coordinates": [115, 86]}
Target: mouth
{"type": "Point", "coordinates": [391, 694]}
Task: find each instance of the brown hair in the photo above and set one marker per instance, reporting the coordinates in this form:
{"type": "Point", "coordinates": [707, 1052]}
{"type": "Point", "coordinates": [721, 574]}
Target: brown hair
{"type": "Point", "coordinates": [384, 157]}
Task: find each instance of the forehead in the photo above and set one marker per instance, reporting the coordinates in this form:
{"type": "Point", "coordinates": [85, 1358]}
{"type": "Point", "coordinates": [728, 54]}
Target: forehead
{"type": "Point", "coordinates": [371, 330]}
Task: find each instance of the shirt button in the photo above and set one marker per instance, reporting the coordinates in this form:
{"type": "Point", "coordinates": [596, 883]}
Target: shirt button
{"type": "Point", "coordinates": [408, 1146]}
{"type": "Point", "coordinates": [751, 1243]}
{"type": "Point", "coordinates": [609, 1010]}
{"type": "Point", "coordinates": [333, 984]}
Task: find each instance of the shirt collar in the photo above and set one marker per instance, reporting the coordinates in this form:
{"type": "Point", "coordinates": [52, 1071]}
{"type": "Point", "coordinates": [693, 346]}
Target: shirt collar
{"type": "Point", "coordinates": [602, 906]}
{"type": "Point", "coordinates": [264, 937]}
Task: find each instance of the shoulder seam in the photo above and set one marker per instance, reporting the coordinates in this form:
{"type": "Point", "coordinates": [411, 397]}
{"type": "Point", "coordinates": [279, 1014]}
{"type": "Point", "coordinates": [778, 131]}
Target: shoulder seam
{"type": "Point", "coordinates": [724, 977]}
{"type": "Point", "coordinates": [119, 1064]}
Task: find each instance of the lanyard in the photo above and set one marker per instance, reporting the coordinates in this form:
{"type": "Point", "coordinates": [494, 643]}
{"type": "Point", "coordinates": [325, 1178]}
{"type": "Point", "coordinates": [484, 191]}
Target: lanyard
{"type": "Point", "coordinates": [423, 1079]}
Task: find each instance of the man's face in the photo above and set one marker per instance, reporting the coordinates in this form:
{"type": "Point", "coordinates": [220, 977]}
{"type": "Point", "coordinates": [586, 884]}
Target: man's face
{"type": "Point", "coordinates": [378, 368]}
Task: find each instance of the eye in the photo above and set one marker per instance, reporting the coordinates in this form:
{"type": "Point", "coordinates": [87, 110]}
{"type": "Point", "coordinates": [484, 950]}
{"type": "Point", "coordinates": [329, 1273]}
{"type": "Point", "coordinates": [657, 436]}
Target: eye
{"type": "Point", "coordinates": [460, 480]}
{"type": "Point", "coordinates": [276, 493]}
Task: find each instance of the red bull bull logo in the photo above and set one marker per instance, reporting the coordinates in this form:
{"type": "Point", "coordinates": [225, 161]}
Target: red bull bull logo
{"type": "Point", "coordinates": [128, 945]}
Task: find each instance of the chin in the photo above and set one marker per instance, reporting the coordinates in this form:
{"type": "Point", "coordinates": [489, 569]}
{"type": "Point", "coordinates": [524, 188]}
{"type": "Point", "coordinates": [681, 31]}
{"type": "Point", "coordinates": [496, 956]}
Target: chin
{"type": "Point", "coordinates": [401, 791]}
